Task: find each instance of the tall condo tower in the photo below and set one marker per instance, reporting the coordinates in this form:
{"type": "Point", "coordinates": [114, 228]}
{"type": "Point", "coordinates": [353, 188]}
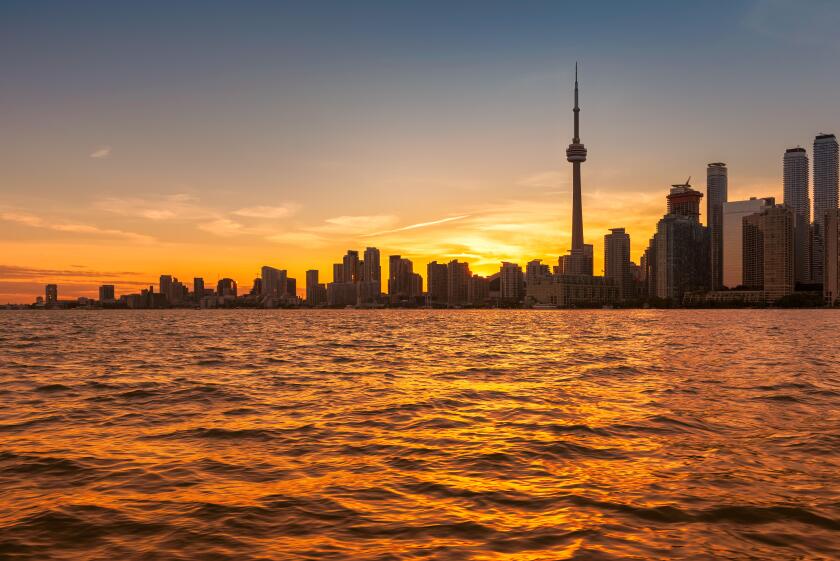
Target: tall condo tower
{"type": "Point", "coordinates": [825, 196]}
{"type": "Point", "coordinates": [716, 195]}
{"type": "Point", "coordinates": [796, 197]}
{"type": "Point", "coordinates": [579, 260]}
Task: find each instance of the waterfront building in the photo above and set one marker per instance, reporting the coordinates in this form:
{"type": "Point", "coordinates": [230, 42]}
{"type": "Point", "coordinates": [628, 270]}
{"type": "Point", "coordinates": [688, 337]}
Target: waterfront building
{"type": "Point", "coordinates": [478, 291]}
{"type": "Point", "coordinates": [795, 179]}
{"type": "Point", "coordinates": [372, 270]}
{"type": "Point", "coordinates": [51, 295]}
{"type": "Point", "coordinates": [198, 288]}
{"type": "Point", "coordinates": [338, 272]}
{"type": "Point", "coordinates": [684, 201]}
{"type": "Point", "coordinates": [682, 257]}
{"type": "Point", "coordinates": [512, 283]}
{"type": "Point", "coordinates": [536, 269]}
{"type": "Point", "coordinates": [291, 288]}
{"type": "Point", "coordinates": [566, 291]}
{"type": "Point", "coordinates": [405, 287]}
{"type": "Point", "coordinates": [165, 287]}
{"type": "Point", "coordinates": [457, 283]}
{"type": "Point", "coordinates": [825, 196]}
{"type": "Point", "coordinates": [312, 287]}
{"type": "Point", "coordinates": [768, 251]}
{"type": "Point", "coordinates": [106, 294]}
{"type": "Point", "coordinates": [341, 294]}
{"type": "Point", "coordinates": [436, 284]}
{"type": "Point", "coordinates": [350, 266]}
{"type": "Point", "coordinates": [273, 285]}
{"type": "Point", "coordinates": [831, 268]}
{"type": "Point", "coordinates": [226, 288]}
{"type": "Point", "coordinates": [716, 195]}
{"type": "Point", "coordinates": [733, 241]}
{"type": "Point", "coordinates": [617, 264]}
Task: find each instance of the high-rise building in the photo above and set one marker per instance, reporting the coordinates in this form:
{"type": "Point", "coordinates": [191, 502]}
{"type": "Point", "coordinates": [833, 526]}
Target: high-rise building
{"type": "Point", "coordinates": [457, 283]}
{"type": "Point", "coordinates": [312, 287]}
{"type": "Point", "coordinates": [436, 284]}
{"type": "Point", "coordinates": [733, 240]}
{"type": "Point", "coordinates": [831, 269]}
{"type": "Point", "coordinates": [372, 270]}
{"type": "Point", "coordinates": [535, 270]}
{"type": "Point", "coordinates": [684, 201]}
{"type": "Point", "coordinates": [825, 195]}
{"type": "Point", "coordinates": [165, 287]}
{"type": "Point", "coordinates": [404, 285]}
{"type": "Point", "coordinates": [106, 294]}
{"type": "Point", "coordinates": [768, 251]}
{"type": "Point", "coordinates": [617, 262]}
{"type": "Point", "coordinates": [577, 262]}
{"type": "Point", "coordinates": [795, 178]}
{"type": "Point", "coordinates": [511, 283]}
{"type": "Point", "coordinates": [226, 288]}
{"type": "Point", "coordinates": [351, 269]}
{"type": "Point", "coordinates": [338, 272]}
{"type": "Point", "coordinates": [478, 291]}
{"type": "Point", "coordinates": [273, 285]}
{"type": "Point", "coordinates": [198, 288]}
{"type": "Point", "coordinates": [716, 194]}
{"type": "Point", "coordinates": [682, 257]}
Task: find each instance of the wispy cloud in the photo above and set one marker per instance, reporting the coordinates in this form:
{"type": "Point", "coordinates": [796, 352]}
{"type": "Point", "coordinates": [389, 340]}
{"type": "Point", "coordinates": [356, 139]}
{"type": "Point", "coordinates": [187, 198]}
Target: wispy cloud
{"type": "Point", "coordinates": [179, 206]}
{"type": "Point", "coordinates": [39, 222]}
{"type": "Point", "coordinates": [267, 211]}
{"type": "Point", "coordinates": [223, 227]}
{"type": "Point", "coordinates": [101, 153]}
{"type": "Point", "coordinates": [419, 225]}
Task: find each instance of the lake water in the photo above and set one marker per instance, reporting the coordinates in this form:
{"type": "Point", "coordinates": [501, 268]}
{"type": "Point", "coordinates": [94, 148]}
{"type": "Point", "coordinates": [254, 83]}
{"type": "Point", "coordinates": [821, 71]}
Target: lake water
{"type": "Point", "coordinates": [486, 435]}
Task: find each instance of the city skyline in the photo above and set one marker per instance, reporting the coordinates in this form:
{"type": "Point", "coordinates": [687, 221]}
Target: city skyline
{"type": "Point", "coordinates": [121, 200]}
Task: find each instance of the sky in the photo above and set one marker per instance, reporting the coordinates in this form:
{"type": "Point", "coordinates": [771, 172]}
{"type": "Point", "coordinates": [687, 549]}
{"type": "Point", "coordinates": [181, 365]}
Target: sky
{"type": "Point", "coordinates": [202, 138]}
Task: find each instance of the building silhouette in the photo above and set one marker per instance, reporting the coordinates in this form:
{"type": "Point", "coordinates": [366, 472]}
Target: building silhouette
{"type": "Point", "coordinates": [511, 283]}
{"type": "Point", "coordinates": [437, 284]}
{"type": "Point", "coordinates": [617, 264]}
{"type": "Point", "coordinates": [733, 237]}
{"type": "Point", "coordinates": [795, 180]}
{"type": "Point", "coordinates": [831, 269]}
{"type": "Point", "coordinates": [457, 283]}
{"type": "Point", "coordinates": [768, 251]}
{"type": "Point", "coordinates": [825, 196]}
{"type": "Point", "coordinates": [717, 186]}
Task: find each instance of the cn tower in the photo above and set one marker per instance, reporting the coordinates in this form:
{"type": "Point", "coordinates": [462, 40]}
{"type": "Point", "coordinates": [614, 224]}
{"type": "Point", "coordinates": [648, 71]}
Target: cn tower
{"type": "Point", "coordinates": [576, 153]}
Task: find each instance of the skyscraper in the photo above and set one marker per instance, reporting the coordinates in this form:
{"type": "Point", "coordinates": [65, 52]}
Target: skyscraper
{"type": "Point", "coordinates": [436, 283]}
{"type": "Point", "coordinates": [768, 251]}
{"type": "Point", "coordinates": [716, 195]}
{"type": "Point", "coordinates": [617, 261]}
{"type": "Point", "coordinates": [825, 195]}
{"type": "Point", "coordinates": [457, 283]}
{"type": "Point", "coordinates": [198, 288]}
{"type": "Point", "coordinates": [372, 271]}
{"type": "Point", "coordinates": [733, 239]}
{"type": "Point", "coordinates": [684, 201]}
{"type": "Point", "coordinates": [351, 266]}
{"type": "Point", "coordinates": [106, 294]}
{"type": "Point", "coordinates": [511, 283]}
{"type": "Point", "coordinates": [795, 177]}
{"type": "Point", "coordinates": [51, 294]}
{"type": "Point", "coordinates": [578, 261]}
{"type": "Point", "coordinates": [273, 284]}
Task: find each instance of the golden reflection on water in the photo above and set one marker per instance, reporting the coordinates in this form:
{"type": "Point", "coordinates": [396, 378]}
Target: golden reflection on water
{"type": "Point", "coordinates": [492, 435]}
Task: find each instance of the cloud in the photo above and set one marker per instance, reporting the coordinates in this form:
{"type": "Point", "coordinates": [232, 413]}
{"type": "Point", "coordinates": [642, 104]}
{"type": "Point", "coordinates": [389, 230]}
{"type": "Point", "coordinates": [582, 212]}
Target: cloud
{"type": "Point", "coordinates": [101, 152]}
{"type": "Point", "coordinates": [223, 227]}
{"type": "Point", "coordinates": [303, 239]}
{"type": "Point", "coordinates": [180, 206]}
{"type": "Point", "coordinates": [18, 272]}
{"type": "Point", "coordinates": [266, 211]}
{"type": "Point", "coordinates": [38, 222]}
{"type": "Point", "coordinates": [419, 225]}
{"type": "Point", "coordinates": [552, 179]}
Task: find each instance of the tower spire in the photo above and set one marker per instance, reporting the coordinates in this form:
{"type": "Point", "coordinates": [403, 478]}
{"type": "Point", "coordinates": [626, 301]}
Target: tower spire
{"type": "Point", "coordinates": [576, 138]}
{"type": "Point", "coordinates": [576, 154]}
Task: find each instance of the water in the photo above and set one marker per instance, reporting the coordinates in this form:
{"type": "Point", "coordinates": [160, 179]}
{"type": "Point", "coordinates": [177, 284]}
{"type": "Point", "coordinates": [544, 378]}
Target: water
{"type": "Point", "coordinates": [421, 434]}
